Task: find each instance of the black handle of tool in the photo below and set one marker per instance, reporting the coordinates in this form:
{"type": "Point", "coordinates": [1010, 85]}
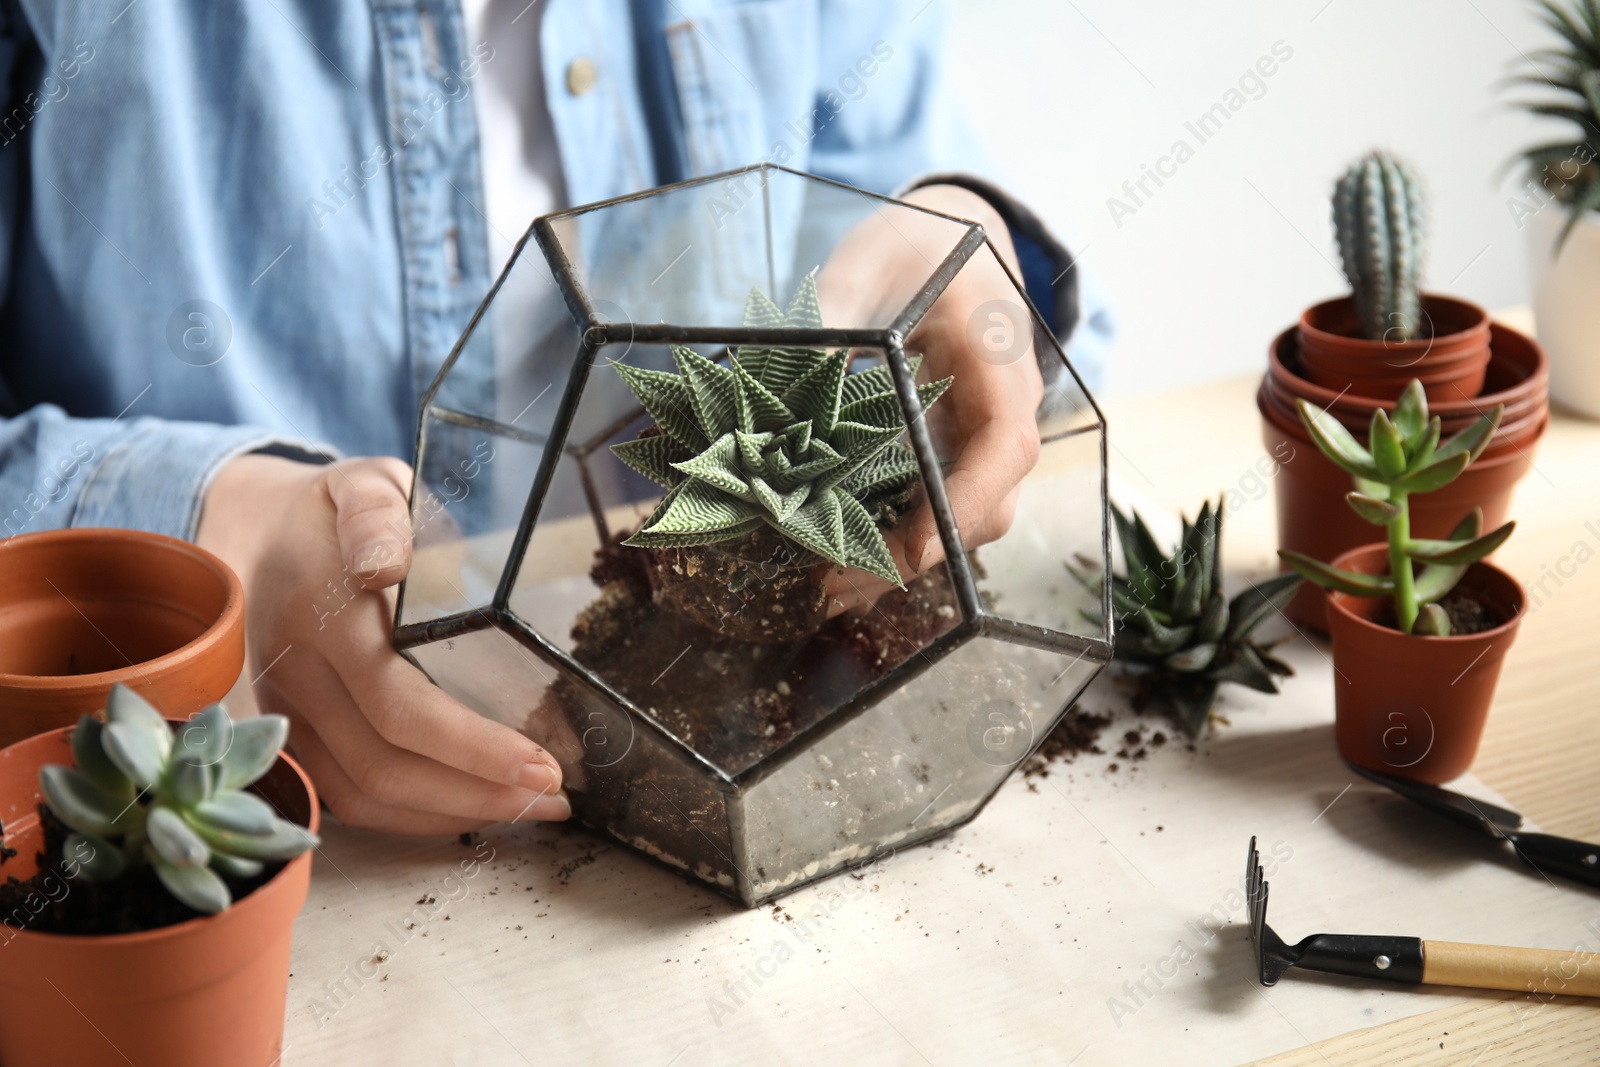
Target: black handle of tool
{"type": "Point", "coordinates": [1388, 959]}
{"type": "Point", "coordinates": [1577, 860]}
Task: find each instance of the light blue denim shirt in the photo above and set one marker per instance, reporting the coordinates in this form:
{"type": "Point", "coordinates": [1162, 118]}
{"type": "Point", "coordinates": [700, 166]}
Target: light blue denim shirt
{"type": "Point", "coordinates": [258, 226]}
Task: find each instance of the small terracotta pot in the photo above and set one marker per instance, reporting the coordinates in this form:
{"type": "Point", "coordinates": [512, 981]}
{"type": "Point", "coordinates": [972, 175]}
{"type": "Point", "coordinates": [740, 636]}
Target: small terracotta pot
{"type": "Point", "coordinates": [1409, 705]}
{"type": "Point", "coordinates": [1451, 361]}
{"type": "Point", "coordinates": [81, 610]}
{"type": "Point", "coordinates": [207, 991]}
{"type": "Point", "coordinates": [1313, 517]}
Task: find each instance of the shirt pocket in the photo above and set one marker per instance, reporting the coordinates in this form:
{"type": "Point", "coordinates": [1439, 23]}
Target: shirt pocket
{"type": "Point", "coordinates": [745, 78]}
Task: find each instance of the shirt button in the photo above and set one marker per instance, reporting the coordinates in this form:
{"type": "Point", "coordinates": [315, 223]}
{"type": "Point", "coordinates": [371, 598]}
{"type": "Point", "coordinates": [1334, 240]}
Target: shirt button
{"type": "Point", "coordinates": [582, 73]}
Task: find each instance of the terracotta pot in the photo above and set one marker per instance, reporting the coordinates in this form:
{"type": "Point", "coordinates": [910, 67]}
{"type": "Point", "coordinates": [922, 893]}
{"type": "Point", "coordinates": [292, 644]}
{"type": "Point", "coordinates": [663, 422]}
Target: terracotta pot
{"type": "Point", "coordinates": [81, 610]}
{"type": "Point", "coordinates": [1451, 360]}
{"type": "Point", "coordinates": [1409, 705]}
{"type": "Point", "coordinates": [207, 991]}
{"type": "Point", "coordinates": [1517, 377]}
{"type": "Point", "coordinates": [1313, 517]}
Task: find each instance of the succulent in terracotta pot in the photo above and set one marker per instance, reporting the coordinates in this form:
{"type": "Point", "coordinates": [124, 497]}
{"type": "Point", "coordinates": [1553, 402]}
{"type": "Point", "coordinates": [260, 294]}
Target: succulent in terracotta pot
{"type": "Point", "coordinates": [1175, 623]}
{"type": "Point", "coordinates": [152, 872]}
{"type": "Point", "coordinates": [1419, 625]}
{"type": "Point", "coordinates": [774, 466]}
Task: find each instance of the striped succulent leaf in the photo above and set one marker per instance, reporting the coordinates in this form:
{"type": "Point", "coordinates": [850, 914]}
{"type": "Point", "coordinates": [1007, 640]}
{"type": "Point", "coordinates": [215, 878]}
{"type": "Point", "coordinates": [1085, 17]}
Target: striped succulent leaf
{"type": "Point", "coordinates": [782, 437]}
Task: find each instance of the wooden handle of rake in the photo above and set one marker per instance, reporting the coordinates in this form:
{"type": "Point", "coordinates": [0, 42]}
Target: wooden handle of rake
{"type": "Point", "coordinates": [1538, 970]}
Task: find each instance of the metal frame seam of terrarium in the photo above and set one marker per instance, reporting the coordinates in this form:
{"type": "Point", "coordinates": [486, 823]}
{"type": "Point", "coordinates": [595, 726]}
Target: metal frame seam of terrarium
{"type": "Point", "coordinates": [597, 333]}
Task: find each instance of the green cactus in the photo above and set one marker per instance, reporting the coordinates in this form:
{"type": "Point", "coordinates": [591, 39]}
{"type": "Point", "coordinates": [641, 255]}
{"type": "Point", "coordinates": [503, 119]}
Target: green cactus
{"type": "Point", "coordinates": [1379, 222]}
{"type": "Point", "coordinates": [783, 437]}
{"type": "Point", "coordinates": [1173, 619]}
{"type": "Point", "coordinates": [1404, 457]}
{"type": "Point", "coordinates": [173, 798]}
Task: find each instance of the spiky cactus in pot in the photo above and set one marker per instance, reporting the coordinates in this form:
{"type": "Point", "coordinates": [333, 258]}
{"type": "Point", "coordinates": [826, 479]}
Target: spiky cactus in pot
{"type": "Point", "coordinates": [1174, 622]}
{"type": "Point", "coordinates": [1404, 457]}
{"type": "Point", "coordinates": [143, 793]}
{"type": "Point", "coordinates": [1380, 225]}
{"type": "Point", "coordinates": [781, 455]}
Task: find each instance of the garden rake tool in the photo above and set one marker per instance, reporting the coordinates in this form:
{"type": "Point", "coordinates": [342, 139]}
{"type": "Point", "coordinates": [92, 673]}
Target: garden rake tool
{"type": "Point", "coordinates": [1413, 961]}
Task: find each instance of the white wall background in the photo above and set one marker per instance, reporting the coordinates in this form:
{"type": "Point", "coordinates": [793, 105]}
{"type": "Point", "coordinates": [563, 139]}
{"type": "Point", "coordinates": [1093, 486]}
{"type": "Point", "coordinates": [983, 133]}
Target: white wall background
{"type": "Point", "coordinates": [1072, 97]}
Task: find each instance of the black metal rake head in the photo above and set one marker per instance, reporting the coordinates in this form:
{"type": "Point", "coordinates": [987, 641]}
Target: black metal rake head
{"type": "Point", "coordinates": [1393, 959]}
{"type": "Point", "coordinates": [1273, 957]}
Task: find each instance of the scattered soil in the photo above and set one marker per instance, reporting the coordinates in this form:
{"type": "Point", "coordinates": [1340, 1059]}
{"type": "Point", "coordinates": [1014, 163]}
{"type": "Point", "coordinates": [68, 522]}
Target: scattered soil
{"type": "Point", "coordinates": [1077, 733]}
{"type": "Point", "coordinates": [1468, 614]}
{"type": "Point", "coordinates": [134, 902]}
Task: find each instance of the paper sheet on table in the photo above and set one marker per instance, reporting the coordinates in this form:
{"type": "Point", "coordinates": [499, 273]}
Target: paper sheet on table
{"type": "Point", "coordinates": [1075, 921]}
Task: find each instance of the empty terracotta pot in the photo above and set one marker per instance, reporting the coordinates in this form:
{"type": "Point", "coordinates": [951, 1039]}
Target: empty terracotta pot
{"type": "Point", "coordinates": [81, 610]}
{"type": "Point", "coordinates": [1408, 705]}
{"type": "Point", "coordinates": [1517, 377]}
{"type": "Point", "coordinates": [1450, 359]}
{"type": "Point", "coordinates": [208, 991]}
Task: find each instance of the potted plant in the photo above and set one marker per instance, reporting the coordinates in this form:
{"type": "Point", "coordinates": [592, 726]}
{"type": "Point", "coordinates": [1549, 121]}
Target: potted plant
{"type": "Point", "coordinates": [1419, 625]}
{"type": "Point", "coordinates": [1562, 183]}
{"type": "Point", "coordinates": [777, 468]}
{"type": "Point", "coordinates": [1388, 331]}
{"type": "Point", "coordinates": [1349, 359]}
{"type": "Point", "coordinates": [1176, 627]}
{"type": "Point", "coordinates": [83, 610]}
{"type": "Point", "coordinates": [151, 888]}
{"type": "Point", "coordinates": [686, 577]}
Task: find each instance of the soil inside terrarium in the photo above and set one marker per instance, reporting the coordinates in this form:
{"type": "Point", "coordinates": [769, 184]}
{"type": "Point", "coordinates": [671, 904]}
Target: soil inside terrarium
{"type": "Point", "coordinates": [1468, 614]}
{"type": "Point", "coordinates": [735, 701]}
{"type": "Point", "coordinates": [50, 902]}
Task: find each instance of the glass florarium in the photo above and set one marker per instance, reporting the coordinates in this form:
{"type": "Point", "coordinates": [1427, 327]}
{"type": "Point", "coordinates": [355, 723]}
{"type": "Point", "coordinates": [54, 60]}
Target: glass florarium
{"type": "Point", "coordinates": [664, 486]}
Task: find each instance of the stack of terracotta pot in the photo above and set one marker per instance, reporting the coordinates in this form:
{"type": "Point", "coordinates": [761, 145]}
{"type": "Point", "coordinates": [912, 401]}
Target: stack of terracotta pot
{"type": "Point", "coordinates": [1467, 366]}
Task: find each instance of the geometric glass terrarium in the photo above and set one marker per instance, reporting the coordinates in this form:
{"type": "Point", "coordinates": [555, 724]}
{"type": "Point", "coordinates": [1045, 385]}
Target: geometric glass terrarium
{"type": "Point", "coordinates": [665, 485]}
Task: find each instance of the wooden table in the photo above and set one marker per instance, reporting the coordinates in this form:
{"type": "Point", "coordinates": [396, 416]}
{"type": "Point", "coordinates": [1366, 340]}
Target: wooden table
{"type": "Point", "coordinates": [478, 990]}
{"type": "Point", "coordinates": [1543, 741]}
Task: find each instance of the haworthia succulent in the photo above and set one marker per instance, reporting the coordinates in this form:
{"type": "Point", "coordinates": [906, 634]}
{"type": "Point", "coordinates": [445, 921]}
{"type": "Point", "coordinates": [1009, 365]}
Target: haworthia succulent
{"type": "Point", "coordinates": [785, 438]}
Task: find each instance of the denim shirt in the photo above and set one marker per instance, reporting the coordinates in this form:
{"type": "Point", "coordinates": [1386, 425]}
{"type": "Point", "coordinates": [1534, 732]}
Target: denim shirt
{"type": "Point", "coordinates": [258, 227]}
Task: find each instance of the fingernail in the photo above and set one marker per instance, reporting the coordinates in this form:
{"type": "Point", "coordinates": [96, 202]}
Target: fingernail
{"type": "Point", "coordinates": [539, 778]}
{"type": "Point", "coordinates": [376, 555]}
{"type": "Point", "coordinates": [553, 808]}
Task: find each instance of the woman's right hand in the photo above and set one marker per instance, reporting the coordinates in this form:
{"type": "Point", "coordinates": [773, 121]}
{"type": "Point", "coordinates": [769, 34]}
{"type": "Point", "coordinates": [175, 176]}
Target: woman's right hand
{"type": "Point", "coordinates": [316, 547]}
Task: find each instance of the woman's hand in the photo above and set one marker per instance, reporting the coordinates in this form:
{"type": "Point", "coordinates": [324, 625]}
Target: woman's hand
{"type": "Point", "coordinates": [315, 547]}
{"type": "Point", "coordinates": [978, 332]}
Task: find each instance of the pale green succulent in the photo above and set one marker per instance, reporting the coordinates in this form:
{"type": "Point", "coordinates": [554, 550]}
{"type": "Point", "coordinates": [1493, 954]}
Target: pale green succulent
{"type": "Point", "coordinates": [143, 793]}
{"type": "Point", "coordinates": [782, 437]}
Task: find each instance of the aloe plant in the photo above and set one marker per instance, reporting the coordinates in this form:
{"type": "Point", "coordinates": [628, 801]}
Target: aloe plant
{"type": "Point", "coordinates": [1379, 222]}
{"type": "Point", "coordinates": [781, 437]}
{"type": "Point", "coordinates": [1404, 457]}
{"type": "Point", "coordinates": [1569, 169]}
{"type": "Point", "coordinates": [1173, 619]}
{"type": "Point", "coordinates": [173, 798]}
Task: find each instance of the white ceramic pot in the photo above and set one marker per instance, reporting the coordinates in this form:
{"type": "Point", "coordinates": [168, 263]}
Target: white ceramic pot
{"type": "Point", "coordinates": [1566, 312]}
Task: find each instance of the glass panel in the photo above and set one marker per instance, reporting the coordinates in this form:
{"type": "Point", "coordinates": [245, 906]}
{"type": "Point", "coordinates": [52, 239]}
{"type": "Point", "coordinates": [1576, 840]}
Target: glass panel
{"type": "Point", "coordinates": [690, 254]}
{"type": "Point", "coordinates": [621, 776]}
{"type": "Point", "coordinates": [998, 353]}
{"type": "Point", "coordinates": [472, 486]}
{"type": "Point", "coordinates": [921, 760]}
{"type": "Point", "coordinates": [513, 366]}
{"type": "Point", "coordinates": [719, 643]}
